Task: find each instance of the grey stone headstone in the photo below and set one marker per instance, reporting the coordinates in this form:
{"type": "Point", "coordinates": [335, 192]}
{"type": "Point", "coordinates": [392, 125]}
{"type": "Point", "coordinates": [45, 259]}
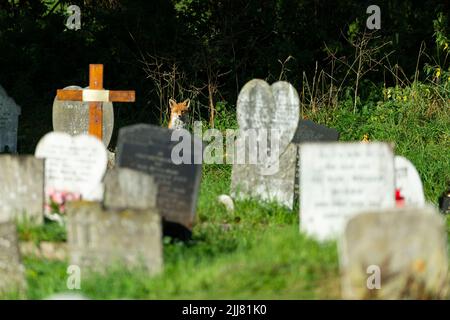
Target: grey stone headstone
{"type": "Point", "coordinates": [309, 131]}
{"type": "Point", "coordinates": [128, 188]}
{"type": "Point", "coordinates": [247, 181]}
{"type": "Point", "coordinates": [21, 188]}
{"type": "Point", "coordinates": [395, 254]}
{"type": "Point", "coordinates": [72, 117]}
{"type": "Point", "coordinates": [339, 180]}
{"type": "Point", "coordinates": [148, 149]}
{"type": "Point", "coordinates": [260, 108]}
{"type": "Point", "coordinates": [9, 122]}
{"type": "Point", "coordinates": [12, 272]}
{"type": "Point", "coordinates": [100, 239]}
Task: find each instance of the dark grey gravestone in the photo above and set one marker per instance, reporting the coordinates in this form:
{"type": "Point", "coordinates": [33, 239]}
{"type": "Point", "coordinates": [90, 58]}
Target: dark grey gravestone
{"type": "Point", "coordinates": [309, 131]}
{"type": "Point", "coordinates": [9, 121]}
{"type": "Point", "coordinates": [72, 117]}
{"type": "Point", "coordinates": [262, 108]}
{"type": "Point", "coordinates": [12, 272]}
{"type": "Point", "coordinates": [148, 149]}
{"type": "Point", "coordinates": [21, 188]}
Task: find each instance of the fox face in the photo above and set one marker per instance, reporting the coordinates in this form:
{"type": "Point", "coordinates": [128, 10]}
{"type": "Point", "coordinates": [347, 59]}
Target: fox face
{"type": "Point", "coordinates": [178, 113]}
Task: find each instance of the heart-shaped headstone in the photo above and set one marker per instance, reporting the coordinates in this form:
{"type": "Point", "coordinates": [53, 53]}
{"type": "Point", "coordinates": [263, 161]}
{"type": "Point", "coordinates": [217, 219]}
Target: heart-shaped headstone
{"type": "Point", "coordinates": [73, 164]}
{"type": "Point", "coordinates": [261, 106]}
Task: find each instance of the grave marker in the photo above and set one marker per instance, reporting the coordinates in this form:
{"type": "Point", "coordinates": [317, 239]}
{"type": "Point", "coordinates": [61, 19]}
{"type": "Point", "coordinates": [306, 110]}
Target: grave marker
{"type": "Point", "coordinates": [408, 182]}
{"type": "Point", "coordinates": [9, 122]}
{"type": "Point", "coordinates": [128, 188]}
{"type": "Point", "coordinates": [101, 238]}
{"type": "Point", "coordinates": [260, 109]}
{"type": "Point", "coordinates": [96, 95]}
{"type": "Point", "coordinates": [21, 188]}
{"type": "Point", "coordinates": [339, 180]}
{"type": "Point", "coordinates": [148, 149]}
{"type": "Point", "coordinates": [309, 131]}
{"type": "Point", "coordinates": [73, 164]}
{"type": "Point", "coordinates": [12, 272]}
{"type": "Point", "coordinates": [72, 117]}
{"type": "Point", "coordinates": [402, 251]}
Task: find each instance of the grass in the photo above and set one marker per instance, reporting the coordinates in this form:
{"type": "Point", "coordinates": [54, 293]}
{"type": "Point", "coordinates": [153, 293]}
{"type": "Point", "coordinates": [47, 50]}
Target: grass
{"type": "Point", "coordinates": [257, 252]}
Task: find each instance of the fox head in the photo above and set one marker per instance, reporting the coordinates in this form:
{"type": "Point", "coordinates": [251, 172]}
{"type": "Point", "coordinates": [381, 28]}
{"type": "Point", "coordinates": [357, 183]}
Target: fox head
{"type": "Point", "coordinates": [178, 114]}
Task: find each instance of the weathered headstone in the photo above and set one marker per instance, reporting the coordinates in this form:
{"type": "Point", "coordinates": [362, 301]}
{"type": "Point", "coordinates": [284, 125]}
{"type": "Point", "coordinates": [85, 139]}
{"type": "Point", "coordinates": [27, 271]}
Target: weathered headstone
{"type": "Point", "coordinates": [408, 182]}
{"type": "Point", "coordinates": [21, 188]}
{"type": "Point", "coordinates": [96, 95]}
{"type": "Point", "coordinates": [148, 149]}
{"type": "Point", "coordinates": [339, 180]}
{"type": "Point", "coordinates": [395, 254]}
{"type": "Point", "coordinates": [128, 188]}
{"type": "Point", "coordinates": [100, 238]}
{"type": "Point", "coordinates": [9, 122]}
{"type": "Point", "coordinates": [266, 110]}
{"type": "Point", "coordinates": [72, 117]}
{"type": "Point", "coordinates": [309, 131]}
{"type": "Point", "coordinates": [12, 272]}
{"type": "Point", "coordinates": [73, 164]}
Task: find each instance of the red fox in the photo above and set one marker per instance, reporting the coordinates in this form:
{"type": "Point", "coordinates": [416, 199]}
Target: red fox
{"type": "Point", "coordinates": [178, 114]}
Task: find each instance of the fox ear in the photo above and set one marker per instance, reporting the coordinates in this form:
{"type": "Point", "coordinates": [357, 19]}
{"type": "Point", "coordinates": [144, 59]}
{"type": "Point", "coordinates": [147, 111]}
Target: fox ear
{"type": "Point", "coordinates": [172, 103]}
{"type": "Point", "coordinates": [187, 102]}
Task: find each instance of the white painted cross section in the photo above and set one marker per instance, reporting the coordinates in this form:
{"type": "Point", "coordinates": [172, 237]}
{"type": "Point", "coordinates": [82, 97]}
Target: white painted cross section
{"type": "Point", "coordinates": [91, 95]}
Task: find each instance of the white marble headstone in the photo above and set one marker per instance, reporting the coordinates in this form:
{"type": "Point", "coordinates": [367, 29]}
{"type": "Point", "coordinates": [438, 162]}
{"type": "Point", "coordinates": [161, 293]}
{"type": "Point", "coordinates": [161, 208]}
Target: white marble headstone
{"type": "Point", "coordinates": [73, 164]}
{"type": "Point", "coordinates": [339, 180]}
{"type": "Point", "coordinates": [408, 181]}
{"type": "Point", "coordinates": [9, 120]}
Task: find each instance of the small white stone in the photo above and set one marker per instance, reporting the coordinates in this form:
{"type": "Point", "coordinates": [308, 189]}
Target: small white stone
{"type": "Point", "coordinates": [227, 201]}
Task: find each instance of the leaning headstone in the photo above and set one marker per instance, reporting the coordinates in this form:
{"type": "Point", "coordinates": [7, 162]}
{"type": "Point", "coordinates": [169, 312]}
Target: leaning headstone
{"type": "Point", "coordinates": [339, 180]}
{"type": "Point", "coordinates": [73, 165]}
{"type": "Point", "coordinates": [267, 117]}
{"type": "Point", "coordinates": [309, 131]}
{"type": "Point", "coordinates": [395, 254]}
{"type": "Point", "coordinates": [101, 239]}
{"type": "Point", "coordinates": [72, 117]}
{"type": "Point", "coordinates": [12, 272]}
{"type": "Point", "coordinates": [9, 121]}
{"type": "Point", "coordinates": [128, 188]}
{"type": "Point", "coordinates": [148, 149]}
{"type": "Point", "coordinates": [408, 182]}
{"type": "Point", "coordinates": [21, 188]}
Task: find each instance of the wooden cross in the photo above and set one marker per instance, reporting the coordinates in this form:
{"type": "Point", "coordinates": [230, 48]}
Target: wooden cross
{"type": "Point", "coordinates": [96, 95]}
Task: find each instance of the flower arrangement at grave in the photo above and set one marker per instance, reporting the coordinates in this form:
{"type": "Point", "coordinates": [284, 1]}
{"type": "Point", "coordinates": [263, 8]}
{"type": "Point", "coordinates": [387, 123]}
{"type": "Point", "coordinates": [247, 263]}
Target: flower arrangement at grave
{"type": "Point", "coordinates": [55, 206]}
